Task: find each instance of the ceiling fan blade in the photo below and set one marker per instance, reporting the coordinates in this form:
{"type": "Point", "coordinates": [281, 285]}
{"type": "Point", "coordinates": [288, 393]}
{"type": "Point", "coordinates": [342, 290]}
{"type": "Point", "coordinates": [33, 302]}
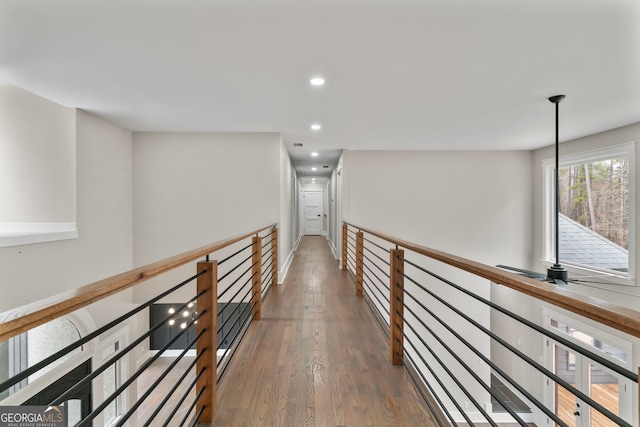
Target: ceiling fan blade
{"type": "Point", "coordinates": [527, 273]}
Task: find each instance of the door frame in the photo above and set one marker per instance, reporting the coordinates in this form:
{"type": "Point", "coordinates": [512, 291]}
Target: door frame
{"type": "Point", "coordinates": [303, 202]}
{"type": "Point", "coordinates": [626, 393]}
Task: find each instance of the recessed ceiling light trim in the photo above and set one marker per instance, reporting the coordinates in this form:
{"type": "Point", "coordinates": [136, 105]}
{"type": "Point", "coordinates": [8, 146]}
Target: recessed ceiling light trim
{"type": "Point", "coordinates": [314, 154]}
{"type": "Point", "coordinates": [317, 81]}
{"type": "Point", "coordinates": [316, 127]}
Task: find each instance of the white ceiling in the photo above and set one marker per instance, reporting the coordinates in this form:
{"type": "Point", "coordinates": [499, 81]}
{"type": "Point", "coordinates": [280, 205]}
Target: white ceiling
{"type": "Point", "coordinates": [401, 74]}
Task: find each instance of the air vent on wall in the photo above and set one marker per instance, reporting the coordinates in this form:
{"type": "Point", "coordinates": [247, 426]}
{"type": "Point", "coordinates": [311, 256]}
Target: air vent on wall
{"type": "Point", "coordinates": [297, 144]}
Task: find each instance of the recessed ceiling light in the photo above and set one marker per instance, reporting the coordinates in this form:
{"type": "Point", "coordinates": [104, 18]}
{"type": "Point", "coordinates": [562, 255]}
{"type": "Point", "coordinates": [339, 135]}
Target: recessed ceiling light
{"type": "Point", "coordinates": [314, 154]}
{"type": "Point", "coordinates": [316, 126]}
{"type": "Point", "coordinates": [317, 81]}
{"type": "Point", "coordinates": [314, 169]}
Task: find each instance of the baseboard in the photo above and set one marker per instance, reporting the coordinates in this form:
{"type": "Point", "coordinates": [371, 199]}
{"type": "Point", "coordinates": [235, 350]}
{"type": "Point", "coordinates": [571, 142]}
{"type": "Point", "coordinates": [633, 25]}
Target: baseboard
{"type": "Point", "coordinates": [285, 267]}
{"type": "Point", "coordinates": [334, 251]}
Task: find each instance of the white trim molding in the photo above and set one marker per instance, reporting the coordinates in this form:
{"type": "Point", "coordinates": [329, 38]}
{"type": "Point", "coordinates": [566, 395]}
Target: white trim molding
{"type": "Point", "coordinates": [25, 233]}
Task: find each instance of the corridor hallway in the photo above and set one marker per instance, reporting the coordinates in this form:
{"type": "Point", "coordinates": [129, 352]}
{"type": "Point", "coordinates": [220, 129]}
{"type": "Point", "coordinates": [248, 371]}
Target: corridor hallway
{"type": "Point", "coordinates": [317, 358]}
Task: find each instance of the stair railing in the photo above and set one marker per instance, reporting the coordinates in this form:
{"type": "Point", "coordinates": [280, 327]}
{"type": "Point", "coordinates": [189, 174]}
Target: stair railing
{"type": "Point", "coordinates": [241, 281]}
{"type": "Point", "coordinates": [435, 308]}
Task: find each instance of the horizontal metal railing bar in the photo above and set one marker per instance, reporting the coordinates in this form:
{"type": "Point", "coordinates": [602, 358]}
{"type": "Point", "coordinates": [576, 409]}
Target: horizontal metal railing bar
{"type": "Point", "coordinates": [382, 323]}
{"type": "Point", "coordinates": [428, 384]}
{"type": "Point", "coordinates": [36, 367]}
{"type": "Point", "coordinates": [373, 294]}
{"type": "Point", "coordinates": [140, 400]}
{"type": "Point", "coordinates": [175, 387]}
{"type": "Point", "coordinates": [471, 371]}
{"type": "Point", "coordinates": [268, 243]}
{"type": "Point", "coordinates": [248, 269]}
{"type": "Point", "coordinates": [82, 383]}
{"type": "Point", "coordinates": [496, 368]}
{"type": "Point", "coordinates": [384, 261]}
{"type": "Point", "coordinates": [617, 317]}
{"type": "Point", "coordinates": [238, 318]}
{"type": "Point", "coordinates": [234, 254]}
{"type": "Point", "coordinates": [183, 398]}
{"type": "Point", "coordinates": [240, 288]}
{"type": "Point", "coordinates": [377, 266]}
{"type": "Point", "coordinates": [351, 264]}
{"type": "Point", "coordinates": [595, 357]}
{"type": "Point", "coordinates": [224, 276]}
{"type": "Point", "coordinates": [518, 353]}
{"type": "Point", "coordinates": [27, 317]}
{"type": "Point", "coordinates": [375, 244]}
{"type": "Point", "coordinates": [130, 379]}
{"type": "Point", "coordinates": [197, 418]}
{"type": "Point", "coordinates": [235, 348]}
{"type": "Point", "coordinates": [267, 279]}
{"type": "Point", "coordinates": [384, 295]}
{"type": "Point", "coordinates": [450, 374]}
{"type": "Point", "coordinates": [352, 252]}
{"type": "Point", "coordinates": [193, 404]}
{"type": "Point", "coordinates": [384, 284]}
{"type": "Point", "coordinates": [266, 259]}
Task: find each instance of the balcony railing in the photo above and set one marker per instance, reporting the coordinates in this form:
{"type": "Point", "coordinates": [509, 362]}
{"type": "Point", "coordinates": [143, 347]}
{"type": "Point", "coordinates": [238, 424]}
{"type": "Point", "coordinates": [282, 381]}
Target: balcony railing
{"type": "Point", "coordinates": [227, 296]}
{"type": "Point", "coordinates": [549, 356]}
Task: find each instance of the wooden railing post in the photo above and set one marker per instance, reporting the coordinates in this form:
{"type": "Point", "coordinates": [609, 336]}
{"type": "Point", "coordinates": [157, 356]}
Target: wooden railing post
{"type": "Point", "coordinates": [274, 256]}
{"type": "Point", "coordinates": [396, 308]}
{"type": "Point", "coordinates": [208, 343]}
{"type": "Point", "coordinates": [256, 282]}
{"type": "Point", "coordinates": [359, 262]}
{"type": "Point", "coordinates": [345, 235]}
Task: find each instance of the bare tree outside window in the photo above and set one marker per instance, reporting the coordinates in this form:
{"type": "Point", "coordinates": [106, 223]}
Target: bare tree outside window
{"type": "Point", "coordinates": [596, 195]}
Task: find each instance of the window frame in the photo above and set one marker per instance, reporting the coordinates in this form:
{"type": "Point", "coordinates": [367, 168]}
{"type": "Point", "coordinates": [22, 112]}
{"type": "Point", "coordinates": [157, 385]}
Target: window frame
{"type": "Point", "coordinates": [548, 201]}
{"type": "Point", "coordinates": [116, 342]}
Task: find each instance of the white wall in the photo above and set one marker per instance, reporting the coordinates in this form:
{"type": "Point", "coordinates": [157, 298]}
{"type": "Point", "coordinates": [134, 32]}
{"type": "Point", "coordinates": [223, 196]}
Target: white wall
{"type": "Point", "coordinates": [37, 159]}
{"type": "Point", "coordinates": [287, 224]}
{"type": "Point", "coordinates": [482, 197]}
{"type": "Point", "coordinates": [192, 189]}
{"type": "Point", "coordinates": [104, 244]}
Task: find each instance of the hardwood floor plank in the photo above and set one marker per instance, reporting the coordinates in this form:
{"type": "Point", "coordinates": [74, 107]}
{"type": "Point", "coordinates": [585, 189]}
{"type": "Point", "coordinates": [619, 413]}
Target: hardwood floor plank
{"type": "Point", "coordinates": [316, 358]}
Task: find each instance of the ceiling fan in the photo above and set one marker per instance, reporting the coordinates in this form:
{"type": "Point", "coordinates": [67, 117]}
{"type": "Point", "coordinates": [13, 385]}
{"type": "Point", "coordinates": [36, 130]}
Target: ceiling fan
{"type": "Point", "coordinates": [556, 274]}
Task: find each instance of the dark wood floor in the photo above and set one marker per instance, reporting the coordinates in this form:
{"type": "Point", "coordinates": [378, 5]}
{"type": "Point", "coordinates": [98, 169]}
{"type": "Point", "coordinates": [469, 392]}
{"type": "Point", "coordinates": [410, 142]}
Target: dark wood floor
{"type": "Point", "coordinates": [316, 358]}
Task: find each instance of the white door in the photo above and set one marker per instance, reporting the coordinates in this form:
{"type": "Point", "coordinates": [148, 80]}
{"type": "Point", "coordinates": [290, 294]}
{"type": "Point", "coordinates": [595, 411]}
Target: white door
{"type": "Point", "coordinates": [312, 202]}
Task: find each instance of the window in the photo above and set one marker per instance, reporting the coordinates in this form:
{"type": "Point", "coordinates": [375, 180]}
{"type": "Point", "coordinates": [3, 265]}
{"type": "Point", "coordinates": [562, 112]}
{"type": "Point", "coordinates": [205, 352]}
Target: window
{"type": "Point", "coordinates": [596, 210]}
{"type": "Point", "coordinates": [25, 350]}
{"type": "Point", "coordinates": [112, 378]}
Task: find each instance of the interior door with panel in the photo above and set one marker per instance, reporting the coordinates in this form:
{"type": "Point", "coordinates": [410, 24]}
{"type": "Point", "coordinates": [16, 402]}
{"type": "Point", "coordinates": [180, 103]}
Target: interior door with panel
{"type": "Point", "coordinates": [312, 202]}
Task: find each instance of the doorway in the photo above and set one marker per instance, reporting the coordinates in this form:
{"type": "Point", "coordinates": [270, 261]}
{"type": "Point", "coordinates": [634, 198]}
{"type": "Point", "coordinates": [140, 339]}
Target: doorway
{"type": "Point", "coordinates": [312, 212]}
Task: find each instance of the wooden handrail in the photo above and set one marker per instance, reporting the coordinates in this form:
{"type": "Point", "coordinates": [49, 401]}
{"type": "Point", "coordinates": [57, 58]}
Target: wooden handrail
{"type": "Point", "coordinates": [612, 315]}
{"type": "Point", "coordinates": [26, 317]}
